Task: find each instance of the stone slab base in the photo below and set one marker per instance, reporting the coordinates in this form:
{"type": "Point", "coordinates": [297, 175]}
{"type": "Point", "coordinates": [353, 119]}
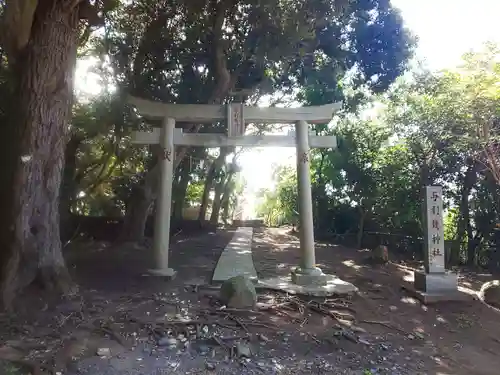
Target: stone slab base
{"type": "Point", "coordinates": [439, 283]}
{"type": "Point", "coordinates": [434, 297]}
{"type": "Point", "coordinates": [433, 288]}
{"type": "Point", "coordinates": [334, 286]}
{"type": "Point", "coordinates": [168, 273]}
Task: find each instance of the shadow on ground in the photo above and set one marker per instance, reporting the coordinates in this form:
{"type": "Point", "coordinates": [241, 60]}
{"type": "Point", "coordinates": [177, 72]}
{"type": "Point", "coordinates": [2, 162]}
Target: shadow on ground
{"type": "Point", "coordinates": [124, 267]}
{"type": "Point", "coordinates": [120, 309]}
{"type": "Point", "coordinates": [449, 338]}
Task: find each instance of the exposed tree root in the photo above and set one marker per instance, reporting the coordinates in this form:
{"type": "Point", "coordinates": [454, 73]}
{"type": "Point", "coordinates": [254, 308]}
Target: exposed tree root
{"type": "Point", "coordinates": [482, 291]}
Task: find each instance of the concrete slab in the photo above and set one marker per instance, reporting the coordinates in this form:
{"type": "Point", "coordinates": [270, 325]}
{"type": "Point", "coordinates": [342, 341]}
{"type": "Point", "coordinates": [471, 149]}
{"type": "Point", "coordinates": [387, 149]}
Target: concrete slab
{"type": "Point", "coordinates": [334, 286]}
{"type": "Point", "coordinates": [236, 259]}
{"type": "Point", "coordinates": [431, 288]}
{"type": "Point", "coordinates": [440, 283]}
{"type": "Point", "coordinates": [460, 294]}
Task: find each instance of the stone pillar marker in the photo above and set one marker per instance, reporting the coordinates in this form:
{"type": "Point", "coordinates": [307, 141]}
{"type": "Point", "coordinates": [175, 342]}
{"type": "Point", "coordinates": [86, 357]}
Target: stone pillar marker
{"type": "Point", "coordinates": [434, 231]}
{"type": "Point", "coordinates": [435, 283]}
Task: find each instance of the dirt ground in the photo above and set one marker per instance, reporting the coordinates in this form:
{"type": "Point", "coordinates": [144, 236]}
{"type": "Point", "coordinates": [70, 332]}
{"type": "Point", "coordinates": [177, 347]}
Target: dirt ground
{"type": "Point", "coordinates": [124, 322]}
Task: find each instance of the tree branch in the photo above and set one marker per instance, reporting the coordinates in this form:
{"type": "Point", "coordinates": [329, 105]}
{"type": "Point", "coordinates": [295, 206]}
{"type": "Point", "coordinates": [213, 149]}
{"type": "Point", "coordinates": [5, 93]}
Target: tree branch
{"type": "Point", "coordinates": [16, 25]}
{"type": "Point", "coordinates": [221, 73]}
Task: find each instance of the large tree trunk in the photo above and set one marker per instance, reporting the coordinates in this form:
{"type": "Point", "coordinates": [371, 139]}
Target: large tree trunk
{"type": "Point", "coordinates": [320, 199]}
{"type": "Point", "coordinates": [464, 224]}
{"type": "Point", "coordinates": [361, 227]}
{"type": "Point", "coordinates": [209, 181]}
{"type": "Point", "coordinates": [202, 214]}
{"type": "Point", "coordinates": [216, 205]}
{"type": "Point", "coordinates": [226, 198]}
{"type": "Point", "coordinates": [138, 209]}
{"type": "Point", "coordinates": [42, 107]}
{"type": "Point", "coordinates": [68, 187]}
{"type": "Point", "coordinates": [180, 190]}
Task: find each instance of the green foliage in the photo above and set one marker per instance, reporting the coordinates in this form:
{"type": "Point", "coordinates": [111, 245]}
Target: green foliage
{"type": "Point", "coordinates": [194, 192]}
{"type": "Point", "coordinates": [280, 206]}
{"type": "Point", "coordinates": [428, 128]}
{"type": "Point", "coordinates": [10, 369]}
{"type": "Point", "coordinates": [451, 224]}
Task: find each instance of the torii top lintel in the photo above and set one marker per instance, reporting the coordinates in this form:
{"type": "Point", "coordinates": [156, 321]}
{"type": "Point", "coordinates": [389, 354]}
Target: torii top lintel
{"type": "Point", "coordinates": [206, 113]}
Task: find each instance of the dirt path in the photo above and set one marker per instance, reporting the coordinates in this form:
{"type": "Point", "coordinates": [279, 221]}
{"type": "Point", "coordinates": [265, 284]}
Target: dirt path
{"type": "Point", "coordinates": [125, 323]}
{"type": "Point", "coordinates": [454, 338]}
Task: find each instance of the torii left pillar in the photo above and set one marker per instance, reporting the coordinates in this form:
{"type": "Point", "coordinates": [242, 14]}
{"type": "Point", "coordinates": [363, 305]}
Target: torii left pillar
{"type": "Point", "coordinates": [164, 201]}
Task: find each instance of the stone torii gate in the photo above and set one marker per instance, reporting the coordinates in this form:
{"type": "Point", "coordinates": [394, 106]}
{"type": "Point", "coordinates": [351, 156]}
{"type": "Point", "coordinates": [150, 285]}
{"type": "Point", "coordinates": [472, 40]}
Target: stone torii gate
{"type": "Point", "coordinates": [236, 115]}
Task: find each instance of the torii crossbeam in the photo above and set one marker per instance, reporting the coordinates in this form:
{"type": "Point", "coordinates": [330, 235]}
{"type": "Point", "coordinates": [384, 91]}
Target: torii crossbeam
{"type": "Point", "coordinates": [236, 115]}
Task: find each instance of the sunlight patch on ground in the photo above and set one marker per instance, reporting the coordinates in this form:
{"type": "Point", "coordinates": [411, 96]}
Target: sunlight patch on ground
{"type": "Point", "coordinates": [329, 245]}
{"type": "Point", "coordinates": [409, 300]}
{"type": "Point", "coordinates": [352, 264]}
{"type": "Point", "coordinates": [409, 277]}
{"type": "Point", "coordinates": [441, 319]}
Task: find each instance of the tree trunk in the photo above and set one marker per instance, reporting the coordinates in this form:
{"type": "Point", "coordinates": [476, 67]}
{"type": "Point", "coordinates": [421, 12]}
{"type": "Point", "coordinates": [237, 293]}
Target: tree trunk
{"type": "Point", "coordinates": [214, 168]}
{"type": "Point", "coordinates": [216, 205]}
{"type": "Point", "coordinates": [464, 226]}
{"type": "Point", "coordinates": [320, 200]}
{"type": "Point", "coordinates": [202, 214]}
{"type": "Point", "coordinates": [68, 187]}
{"type": "Point", "coordinates": [44, 91]}
{"type": "Point", "coordinates": [138, 208]}
{"type": "Point", "coordinates": [471, 247]}
{"type": "Point", "coordinates": [226, 197]}
{"type": "Point", "coordinates": [361, 229]}
{"type": "Point", "coordinates": [225, 209]}
{"type": "Point", "coordinates": [181, 188]}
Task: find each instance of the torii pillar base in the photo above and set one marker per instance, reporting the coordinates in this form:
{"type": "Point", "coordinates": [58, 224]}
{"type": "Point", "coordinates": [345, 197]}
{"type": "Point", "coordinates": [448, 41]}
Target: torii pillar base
{"type": "Point", "coordinates": [309, 282]}
{"type": "Point", "coordinates": [168, 273]}
{"type": "Point", "coordinates": [312, 276]}
{"type": "Point", "coordinates": [307, 279]}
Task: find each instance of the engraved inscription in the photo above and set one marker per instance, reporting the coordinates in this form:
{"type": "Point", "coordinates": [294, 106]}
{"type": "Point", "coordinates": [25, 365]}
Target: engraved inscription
{"type": "Point", "coordinates": [304, 158]}
{"type": "Point", "coordinates": [166, 154]}
{"type": "Point", "coordinates": [435, 233]}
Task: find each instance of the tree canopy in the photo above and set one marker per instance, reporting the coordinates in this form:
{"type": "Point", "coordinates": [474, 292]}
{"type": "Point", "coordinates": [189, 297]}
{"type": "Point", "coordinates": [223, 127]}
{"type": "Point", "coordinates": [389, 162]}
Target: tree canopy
{"type": "Point", "coordinates": [427, 128]}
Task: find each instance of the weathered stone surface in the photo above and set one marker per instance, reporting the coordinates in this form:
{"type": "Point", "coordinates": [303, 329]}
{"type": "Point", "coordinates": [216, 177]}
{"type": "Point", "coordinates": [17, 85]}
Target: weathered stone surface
{"type": "Point", "coordinates": [236, 259]}
{"type": "Point", "coordinates": [335, 286]}
{"type": "Point", "coordinates": [238, 292]}
{"type": "Point", "coordinates": [436, 283]}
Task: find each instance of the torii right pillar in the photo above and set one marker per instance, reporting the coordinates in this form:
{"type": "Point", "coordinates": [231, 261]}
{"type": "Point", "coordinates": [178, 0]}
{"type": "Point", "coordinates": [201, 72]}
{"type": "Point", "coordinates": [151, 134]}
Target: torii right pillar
{"type": "Point", "coordinates": [307, 276]}
{"type": "Point", "coordinates": [307, 268]}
